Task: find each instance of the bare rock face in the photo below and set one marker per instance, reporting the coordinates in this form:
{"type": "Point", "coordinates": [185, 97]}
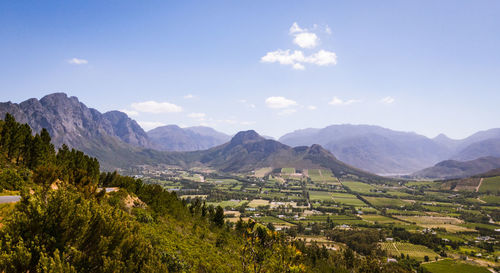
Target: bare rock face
{"type": "Point", "coordinates": [72, 122]}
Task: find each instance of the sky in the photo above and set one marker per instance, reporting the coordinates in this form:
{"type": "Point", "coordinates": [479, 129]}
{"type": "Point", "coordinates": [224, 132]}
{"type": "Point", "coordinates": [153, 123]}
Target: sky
{"type": "Point", "coordinates": [428, 67]}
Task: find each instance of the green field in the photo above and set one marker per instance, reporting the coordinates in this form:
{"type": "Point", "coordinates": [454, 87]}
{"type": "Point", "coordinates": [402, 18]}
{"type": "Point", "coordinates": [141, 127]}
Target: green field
{"type": "Point", "coordinates": [380, 219]}
{"type": "Point", "coordinates": [288, 170]}
{"type": "Point", "coordinates": [491, 185]}
{"type": "Point", "coordinates": [320, 196]}
{"type": "Point", "coordinates": [445, 266]}
{"type": "Point", "coordinates": [417, 252]}
{"type": "Point", "coordinates": [491, 199]}
{"type": "Point", "coordinates": [386, 202]}
{"type": "Point", "coordinates": [358, 186]}
{"type": "Point", "coordinates": [347, 199]}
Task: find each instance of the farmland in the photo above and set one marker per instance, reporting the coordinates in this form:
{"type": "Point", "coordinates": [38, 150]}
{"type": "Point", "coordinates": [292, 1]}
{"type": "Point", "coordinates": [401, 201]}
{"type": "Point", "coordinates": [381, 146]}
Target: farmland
{"type": "Point", "coordinates": [448, 265]}
{"type": "Point", "coordinates": [311, 203]}
{"type": "Point", "coordinates": [490, 185]}
{"type": "Point", "coordinates": [418, 252]}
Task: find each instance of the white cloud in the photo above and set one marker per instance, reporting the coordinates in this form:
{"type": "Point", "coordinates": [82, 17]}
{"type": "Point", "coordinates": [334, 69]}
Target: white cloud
{"type": "Point", "coordinates": [77, 61]}
{"type": "Point", "coordinates": [189, 96]}
{"type": "Point", "coordinates": [156, 107]}
{"type": "Point", "coordinates": [387, 100]}
{"type": "Point", "coordinates": [322, 57]}
{"type": "Point", "coordinates": [279, 102]}
{"type": "Point", "coordinates": [148, 125]}
{"type": "Point", "coordinates": [130, 113]}
{"type": "Point", "coordinates": [296, 58]}
{"type": "Point", "coordinates": [283, 57]}
{"type": "Point", "coordinates": [197, 115]}
{"type": "Point", "coordinates": [287, 112]}
{"type": "Point", "coordinates": [306, 40]}
{"type": "Point", "coordinates": [312, 107]}
{"type": "Point", "coordinates": [337, 101]}
{"type": "Point", "coordinates": [295, 28]}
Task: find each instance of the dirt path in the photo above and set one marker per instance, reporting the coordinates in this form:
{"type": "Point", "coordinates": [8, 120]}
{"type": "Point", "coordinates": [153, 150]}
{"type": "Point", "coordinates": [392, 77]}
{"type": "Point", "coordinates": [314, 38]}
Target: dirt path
{"type": "Point", "coordinates": [480, 182]}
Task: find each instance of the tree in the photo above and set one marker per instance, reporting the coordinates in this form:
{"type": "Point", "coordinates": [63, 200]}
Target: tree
{"type": "Point", "coordinates": [218, 217]}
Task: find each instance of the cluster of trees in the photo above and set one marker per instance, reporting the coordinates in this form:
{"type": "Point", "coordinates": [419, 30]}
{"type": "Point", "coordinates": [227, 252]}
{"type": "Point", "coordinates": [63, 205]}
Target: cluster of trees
{"type": "Point", "coordinates": [363, 241]}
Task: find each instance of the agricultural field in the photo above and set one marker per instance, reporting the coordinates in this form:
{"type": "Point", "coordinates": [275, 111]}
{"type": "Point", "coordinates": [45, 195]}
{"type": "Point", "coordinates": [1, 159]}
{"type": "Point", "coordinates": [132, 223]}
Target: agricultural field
{"type": "Point", "coordinates": [320, 196]}
{"type": "Point", "coordinates": [418, 252]}
{"type": "Point", "coordinates": [448, 265]}
{"type": "Point", "coordinates": [491, 199]}
{"type": "Point", "coordinates": [287, 171]}
{"type": "Point", "coordinates": [358, 187]}
{"type": "Point", "coordinates": [384, 202]}
{"type": "Point", "coordinates": [347, 199]}
{"type": "Point", "coordinates": [380, 219]}
{"type": "Point", "coordinates": [258, 203]}
{"type": "Point", "coordinates": [451, 224]}
{"type": "Point", "coordinates": [260, 173]}
{"type": "Point", "coordinates": [490, 185]}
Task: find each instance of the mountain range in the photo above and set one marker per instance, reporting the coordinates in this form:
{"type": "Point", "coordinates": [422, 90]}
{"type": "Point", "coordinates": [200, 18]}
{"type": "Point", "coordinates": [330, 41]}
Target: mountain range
{"type": "Point", "coordinates": [385, 151]}
{"type": "Point", "coordinates": [119, 142]}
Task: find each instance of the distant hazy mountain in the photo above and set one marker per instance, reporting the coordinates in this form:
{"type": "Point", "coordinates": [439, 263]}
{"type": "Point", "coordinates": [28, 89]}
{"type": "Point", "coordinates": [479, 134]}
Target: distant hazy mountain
{"type": "Point", "coordinates": [373, 148]}
{"type": "Point", "coordinates": [488, 147]}
{"type": "Point", "coordinates": [174, 138]}
{"type": "Point", "coordinates": [458, 169]}
{"type": "Point", "coordinates": [248, 151]}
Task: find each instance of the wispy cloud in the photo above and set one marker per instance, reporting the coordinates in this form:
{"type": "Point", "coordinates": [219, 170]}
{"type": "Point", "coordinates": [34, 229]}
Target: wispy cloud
{"type": "Point", "coordinates": [189, 96]}
{"type": "Point", "coordinates": [77, 61]}
{"type": "Point", "coordinates": [156, 107]}
{"type": "Point", "coordinates": [388, 100]}
{"type": "Point", "coordinates": [246, 103]}
{"type": "Point", "coordinates": [337, 101]}
{"type": "Point", "coordinates": [279, 102]}
{"type": "Point", "coordinates": [148, 125]}
{"type": "Point", "coordinates": [312, 107]}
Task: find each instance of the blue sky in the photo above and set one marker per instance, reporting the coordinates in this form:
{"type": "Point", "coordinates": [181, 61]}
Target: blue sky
{"type": "Point", "coordinates": [274, 66]}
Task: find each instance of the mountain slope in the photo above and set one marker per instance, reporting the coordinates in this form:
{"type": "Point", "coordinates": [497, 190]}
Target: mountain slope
{"type": "Point", "coordinates": [248, 151]}
{"type": "Point", "coordinates": [373, 148]}
{"type": "Point", "coordinates": [116, 140]}
{"type": "Point", "coordinates": [174, 138]}
{"type": "Point", "coordinates": [487, 147]}
{"type": "Point", "coordinates": [458, 169]}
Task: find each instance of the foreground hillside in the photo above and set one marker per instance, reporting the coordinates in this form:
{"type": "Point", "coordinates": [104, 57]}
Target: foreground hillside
{"type": "Point", "coordinates": [66, 222]}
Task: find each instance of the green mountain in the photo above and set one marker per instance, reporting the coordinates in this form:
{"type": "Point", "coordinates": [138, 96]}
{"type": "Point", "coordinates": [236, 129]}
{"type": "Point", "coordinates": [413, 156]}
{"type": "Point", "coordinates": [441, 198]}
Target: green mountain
{"type": "Point", "coordinates": [248, 151]}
